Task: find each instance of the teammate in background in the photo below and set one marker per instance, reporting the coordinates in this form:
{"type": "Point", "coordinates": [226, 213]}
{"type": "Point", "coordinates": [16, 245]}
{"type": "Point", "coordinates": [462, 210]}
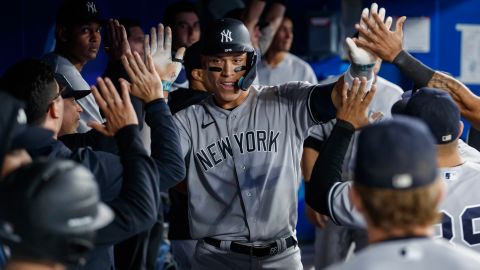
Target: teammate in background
{"type": "Point", "coordinates": [78, 40]}
{"type": "Point", "coordinates": [278, 65]}
{"type": "Point", "coordinates": [50, 212]}
{"type": "Point", "coordinates": [181, 242]}
{"type": "Point", "coordinates": [332, 242]}
{"type": "Point", "coordinates": [184, 20]}
{"type": "Point", "coordinates": [261, 30]}
{"type": "Point", "coordinates": [388, 45]}
{"type": "Point", "coordinates": [241, 149]}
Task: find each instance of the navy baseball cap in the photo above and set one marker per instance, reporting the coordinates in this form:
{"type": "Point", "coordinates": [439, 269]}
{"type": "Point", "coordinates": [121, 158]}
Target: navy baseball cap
{"type": "Point", "coordinates": [78, 11]}
{"type": "Point", "coordinates": [69, 90]}
{"type": "Point", "coordinates": [398, 153]}
{"type": "Point", "coordinates": [438, 110]}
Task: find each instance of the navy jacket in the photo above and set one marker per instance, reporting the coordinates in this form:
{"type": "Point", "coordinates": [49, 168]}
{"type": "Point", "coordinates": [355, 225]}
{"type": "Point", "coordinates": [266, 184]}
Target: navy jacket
{"type": "Point", "coordinates": [129, 182]}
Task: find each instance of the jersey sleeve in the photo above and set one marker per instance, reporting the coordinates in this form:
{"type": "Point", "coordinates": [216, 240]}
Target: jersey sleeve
{"type": "Point", "coordinates": [182, 124]}
{"type": "Point", "coordinates": [299, 95]}
{"type": "Point", "coordinates": [341, 210]}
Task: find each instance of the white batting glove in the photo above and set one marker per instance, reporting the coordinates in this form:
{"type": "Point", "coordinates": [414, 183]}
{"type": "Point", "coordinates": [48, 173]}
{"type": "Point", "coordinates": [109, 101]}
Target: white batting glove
{"type": "Point", "coordinates": [160, 48]}
{"type": "Point", "coordinates": [363, 61]}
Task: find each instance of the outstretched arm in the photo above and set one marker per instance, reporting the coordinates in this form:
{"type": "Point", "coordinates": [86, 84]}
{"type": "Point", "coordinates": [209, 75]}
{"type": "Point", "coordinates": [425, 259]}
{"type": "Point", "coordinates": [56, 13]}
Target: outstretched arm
{"type": "Point", "coordinates": [351, 115]}
{"type": "Point", "coordinates": [388, 45]}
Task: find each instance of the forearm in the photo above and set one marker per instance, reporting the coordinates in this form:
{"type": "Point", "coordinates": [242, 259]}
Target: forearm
{"type": "Point", "coordinates": [424, 76]}
{"type": "Point", "coordinates": [137, 205]}
{"type": "Point", "coordinates": [165, 145]}
{"type": "Point", "coordinates": [252, 14]}
{"type": "Point", "coordinates": [328, 167]}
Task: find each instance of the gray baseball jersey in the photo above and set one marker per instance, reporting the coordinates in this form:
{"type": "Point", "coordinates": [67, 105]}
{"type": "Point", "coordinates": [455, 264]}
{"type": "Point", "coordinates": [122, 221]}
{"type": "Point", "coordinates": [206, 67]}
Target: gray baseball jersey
{"type": "Point", "coordinates": [244, 164]}
{"type": "Point", "coordinates": [460, 209]}
{"type": "Point", "coordinates": [412, 254]}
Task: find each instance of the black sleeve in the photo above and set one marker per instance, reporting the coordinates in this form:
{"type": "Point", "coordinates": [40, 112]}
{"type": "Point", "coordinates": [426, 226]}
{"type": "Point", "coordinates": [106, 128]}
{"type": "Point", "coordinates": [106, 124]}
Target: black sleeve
{"type": "Point", "coordinates": [321, 104]}
{"type": "Point", "coordinates": [413, 69]}
{"type": "Point", "coordinates": [311, 142]}
{"type": "Point", "coordinates": [165, 146]}
{"type": "Point", "coordinates": [94, 139]}
{"type": "Point", "coordinates": [328, 167]}
{"type": "Point", "coordinates": [137, 205]}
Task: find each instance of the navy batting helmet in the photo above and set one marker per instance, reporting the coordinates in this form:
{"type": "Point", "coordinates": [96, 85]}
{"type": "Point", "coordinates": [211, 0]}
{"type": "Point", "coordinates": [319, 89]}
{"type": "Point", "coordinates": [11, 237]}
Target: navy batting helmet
{"type": "Point", "coordinates": [50, 211]}
{"type": "Point", "coordinates": [228, 36]}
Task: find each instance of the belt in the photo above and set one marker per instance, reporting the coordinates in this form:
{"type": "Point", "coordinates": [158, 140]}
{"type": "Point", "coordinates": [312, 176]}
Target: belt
{"type": "Point", "coordinates": [268, 249]}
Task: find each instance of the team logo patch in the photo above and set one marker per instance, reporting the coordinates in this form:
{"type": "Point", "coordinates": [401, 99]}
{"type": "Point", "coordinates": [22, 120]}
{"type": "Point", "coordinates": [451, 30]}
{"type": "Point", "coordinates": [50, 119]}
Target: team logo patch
{"type": "Point", "coordinates": [273, 250]}
{"type": "Point", "coordinates": [226, 36]}
{"type": "Point", "coordinates": [91, 7]}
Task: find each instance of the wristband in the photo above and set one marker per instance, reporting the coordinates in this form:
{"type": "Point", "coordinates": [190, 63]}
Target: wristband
{"type": "Point", "coordinates": [167, 85]}
{"type": "Point", "coordinates": [348, 77]}
{"type": "Point", "coordinates": [413, 69]}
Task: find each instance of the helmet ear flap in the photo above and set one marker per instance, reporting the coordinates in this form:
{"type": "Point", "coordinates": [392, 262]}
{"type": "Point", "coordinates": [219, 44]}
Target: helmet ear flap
{"type": "Point", "coordinates": [246, 81]}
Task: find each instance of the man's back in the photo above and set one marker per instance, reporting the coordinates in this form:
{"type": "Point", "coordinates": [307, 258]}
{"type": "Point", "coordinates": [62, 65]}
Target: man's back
{"type": "Point", "coordinates": [461, 206]}
{"type": "Point", "coordinates": [412, 254]}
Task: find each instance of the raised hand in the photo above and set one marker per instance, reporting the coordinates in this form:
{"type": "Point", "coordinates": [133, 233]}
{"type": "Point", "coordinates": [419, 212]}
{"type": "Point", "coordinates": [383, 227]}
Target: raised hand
{"type": "Point", "coordinates": [116, 41]}
{"type": "Point", "coordinates": [145, 83]}
{"type": "Point", "coordinates": [379, 39]}
{"type": "Point", "coordinates": [354, 103]}
{"type": "Point", "coordinates": [159, 46]}
{"type": "Point", "coordinates": [117, 110]}
{"type": "Point", "coordinates": [358, 55]}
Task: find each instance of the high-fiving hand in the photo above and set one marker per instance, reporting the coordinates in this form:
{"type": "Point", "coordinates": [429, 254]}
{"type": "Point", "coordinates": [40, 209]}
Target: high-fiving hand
{"type": "Point", "coordinates": [159, 46]}
{"type": "Point", "coordinates": [117, 110]}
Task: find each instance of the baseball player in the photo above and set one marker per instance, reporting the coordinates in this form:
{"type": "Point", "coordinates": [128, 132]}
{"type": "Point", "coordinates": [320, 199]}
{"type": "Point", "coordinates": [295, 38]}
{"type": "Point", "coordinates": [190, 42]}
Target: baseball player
{"type": "Point", "coordinates": [242, 149]}
{"type": "Point", "coordinates": [50, 211]}
{"type": "Point", "coordinates": [459, 209]}
{"type": "Point", "coordinates": [399, 202]}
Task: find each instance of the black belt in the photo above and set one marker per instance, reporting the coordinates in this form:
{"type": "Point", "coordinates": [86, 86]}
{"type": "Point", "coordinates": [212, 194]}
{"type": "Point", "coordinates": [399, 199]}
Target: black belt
{"type": "Point", "coordinates": [269, 249]}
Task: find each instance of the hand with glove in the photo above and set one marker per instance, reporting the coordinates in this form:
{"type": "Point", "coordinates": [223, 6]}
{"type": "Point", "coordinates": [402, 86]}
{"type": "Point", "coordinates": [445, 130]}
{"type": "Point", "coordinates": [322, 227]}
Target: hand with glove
{"type": "Point", "coordinates": [363, 61]}
{"type": "Point", "coordinates": [159, 46]}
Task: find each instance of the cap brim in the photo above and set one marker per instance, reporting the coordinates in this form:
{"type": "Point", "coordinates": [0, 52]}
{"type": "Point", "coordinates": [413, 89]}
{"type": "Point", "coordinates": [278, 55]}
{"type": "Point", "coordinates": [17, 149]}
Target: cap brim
{"type": "Point", "coordinates": [76, 94]}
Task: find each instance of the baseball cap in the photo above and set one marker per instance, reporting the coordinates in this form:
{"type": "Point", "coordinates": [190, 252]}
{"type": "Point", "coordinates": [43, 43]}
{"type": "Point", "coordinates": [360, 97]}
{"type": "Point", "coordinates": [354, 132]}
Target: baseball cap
{"type": "Point", "coordinates": [438, 110]}
{"type": "Point", "coordinates": [78, 11]}
{"type": "Point", "coordinates": [67, 75]}
{"type": "Point", "coordinates": [69, 91]}
{"type": "Point", "coordinates": [398, 153]}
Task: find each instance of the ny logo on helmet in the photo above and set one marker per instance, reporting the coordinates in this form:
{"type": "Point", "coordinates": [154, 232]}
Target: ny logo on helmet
{"type": "Point", "coordinates": [91, 7]}
{"type": "Point", "coordinates": [227, 36]}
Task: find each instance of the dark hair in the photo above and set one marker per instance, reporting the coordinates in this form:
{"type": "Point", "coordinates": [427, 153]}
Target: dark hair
{"type": "Point", "coordinates": [129, 23]}
{"type": "Point", "coordinates": [31, 81]}
{"type": "Point", "coordinates": [172, 10]}
{"type": "Point", "coordinates": [192, 59]}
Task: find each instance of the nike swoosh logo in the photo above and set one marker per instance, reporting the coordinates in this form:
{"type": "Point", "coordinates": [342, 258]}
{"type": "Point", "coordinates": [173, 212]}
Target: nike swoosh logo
{"type": "Point", "coordinates": [206, 125]}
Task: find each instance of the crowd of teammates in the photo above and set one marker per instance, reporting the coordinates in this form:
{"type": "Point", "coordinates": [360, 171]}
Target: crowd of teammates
{"type": "Point", "coordinates": [226, 122]}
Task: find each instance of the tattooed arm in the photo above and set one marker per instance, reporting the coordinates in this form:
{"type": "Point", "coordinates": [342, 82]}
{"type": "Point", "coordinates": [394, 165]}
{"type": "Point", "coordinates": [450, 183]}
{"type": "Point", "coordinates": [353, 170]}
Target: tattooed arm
{"type": "Point", "coordinates": [388, 45]}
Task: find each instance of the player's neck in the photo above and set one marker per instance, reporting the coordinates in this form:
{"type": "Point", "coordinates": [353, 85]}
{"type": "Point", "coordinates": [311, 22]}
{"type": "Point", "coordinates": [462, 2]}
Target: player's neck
{"type": "Point", "coordinates": [448, 155]}
{"type": "Point", "coordinates": [274, 58]}
{"type": "Point", "coordinates": [77, 63]}
{"type": "Point", "coordinates": [376, 235]}
{"type": "Point", "coordinates": [25, 265]}
{"type": "Point", "coordinates": [197, 85]}
{"type": "Point", "coordinates": [229, 105]}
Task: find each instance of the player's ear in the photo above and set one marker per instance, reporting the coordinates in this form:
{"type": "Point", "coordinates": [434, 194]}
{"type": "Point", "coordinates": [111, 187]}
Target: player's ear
{"type": "Point", "coordinates": [460, 129]}
{"type": "Point", "coordinates": [197, 74]}
{"type": "Point", "coordinates": [61, 33]}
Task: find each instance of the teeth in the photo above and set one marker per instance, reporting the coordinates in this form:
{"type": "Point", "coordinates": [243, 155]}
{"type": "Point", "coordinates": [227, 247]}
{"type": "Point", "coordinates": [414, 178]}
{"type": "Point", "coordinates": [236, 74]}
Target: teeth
{"type": "Point", "coordinates": [230, 84]}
